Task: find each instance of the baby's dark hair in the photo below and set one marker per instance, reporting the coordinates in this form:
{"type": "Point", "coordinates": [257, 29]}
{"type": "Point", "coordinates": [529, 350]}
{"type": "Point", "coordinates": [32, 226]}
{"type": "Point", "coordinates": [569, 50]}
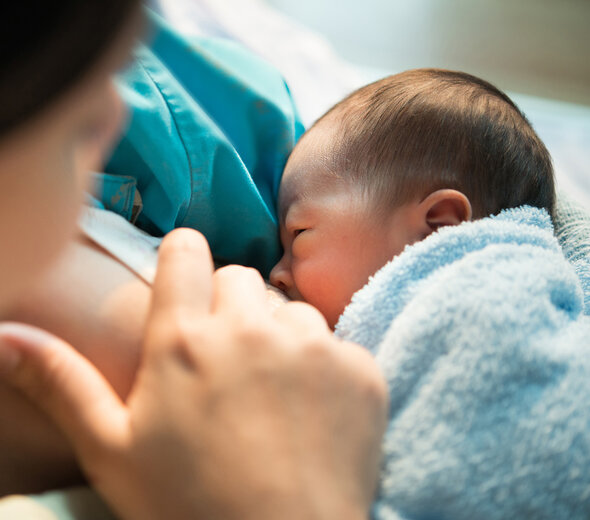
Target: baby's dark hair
{"type": "Point", "coordinates": [413, 133]}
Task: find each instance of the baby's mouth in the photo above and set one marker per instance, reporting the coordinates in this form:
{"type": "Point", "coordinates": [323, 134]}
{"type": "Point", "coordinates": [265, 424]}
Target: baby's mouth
{"type": "Point", "coordinates": [276, 297]}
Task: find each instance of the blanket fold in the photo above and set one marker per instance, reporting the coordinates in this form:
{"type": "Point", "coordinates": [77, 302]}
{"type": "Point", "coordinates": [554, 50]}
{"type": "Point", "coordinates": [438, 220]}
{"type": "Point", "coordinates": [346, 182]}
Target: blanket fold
{"type": "Point", "coordinates": [481, 334]}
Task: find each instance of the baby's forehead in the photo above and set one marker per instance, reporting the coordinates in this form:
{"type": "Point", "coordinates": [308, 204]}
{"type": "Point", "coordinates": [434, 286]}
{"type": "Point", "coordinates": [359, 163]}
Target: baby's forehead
{"type": "Point", "coordinates": [314, 154]}
{"type": "Point", "coordinates": [297, 185]}
{"type": "Point", "coordinates": [310, 167]}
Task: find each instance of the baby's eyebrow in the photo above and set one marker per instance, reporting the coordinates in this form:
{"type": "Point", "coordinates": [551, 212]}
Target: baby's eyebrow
{"type": "Point", "coordinates": [295, 197]}
{"type": "Point", "coordinates": [283, 214]}
{"type": "Point", "coordinates": [285, 204]}
{"type": "Point", "coordinates": [293, 211]}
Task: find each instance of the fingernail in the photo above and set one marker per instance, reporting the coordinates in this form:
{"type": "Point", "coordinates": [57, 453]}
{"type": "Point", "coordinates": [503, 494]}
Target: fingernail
{"type": "Point", "coordinates": [9, 358]}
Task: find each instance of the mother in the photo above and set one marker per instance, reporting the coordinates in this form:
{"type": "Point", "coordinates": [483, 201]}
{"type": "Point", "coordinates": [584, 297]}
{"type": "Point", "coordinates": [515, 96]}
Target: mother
{"type": "Point", "coordinates": [224, 388]}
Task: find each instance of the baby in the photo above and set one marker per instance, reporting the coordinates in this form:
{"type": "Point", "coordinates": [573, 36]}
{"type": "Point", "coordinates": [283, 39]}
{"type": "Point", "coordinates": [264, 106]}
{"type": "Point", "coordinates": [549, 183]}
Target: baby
{"type": "Point", "coordinates": [389, 165]}
{"type": "Point", "coordinates": [480, 329]}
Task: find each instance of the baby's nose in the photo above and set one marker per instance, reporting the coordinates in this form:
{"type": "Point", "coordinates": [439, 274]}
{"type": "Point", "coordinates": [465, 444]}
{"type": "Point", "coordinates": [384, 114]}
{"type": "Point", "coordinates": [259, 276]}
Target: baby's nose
{"type": "Point", "coordinates": [280, 276]}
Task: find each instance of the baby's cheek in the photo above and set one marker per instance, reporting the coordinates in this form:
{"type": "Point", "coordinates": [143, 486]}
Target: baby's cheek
{"type": "Point", "coordinates": [324, 301]}
{"type": "Point", "coordinates": [331, 298]}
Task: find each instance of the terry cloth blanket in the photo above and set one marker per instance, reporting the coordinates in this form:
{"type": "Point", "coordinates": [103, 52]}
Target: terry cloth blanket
{"type": "Point", "coordinates": [481, 334]}
{"type": "Point", "coordinates": [572, 228]}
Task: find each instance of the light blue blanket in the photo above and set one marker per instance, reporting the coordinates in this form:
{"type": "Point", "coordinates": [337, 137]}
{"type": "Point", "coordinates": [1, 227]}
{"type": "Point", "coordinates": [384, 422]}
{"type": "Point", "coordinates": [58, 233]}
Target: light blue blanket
{"type": "Point", "coordinates": [481, 334]}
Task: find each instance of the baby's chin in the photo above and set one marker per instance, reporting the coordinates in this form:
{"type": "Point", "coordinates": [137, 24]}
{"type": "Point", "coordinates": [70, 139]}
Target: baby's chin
{"type": "Point", "coordinates": [276, 297]}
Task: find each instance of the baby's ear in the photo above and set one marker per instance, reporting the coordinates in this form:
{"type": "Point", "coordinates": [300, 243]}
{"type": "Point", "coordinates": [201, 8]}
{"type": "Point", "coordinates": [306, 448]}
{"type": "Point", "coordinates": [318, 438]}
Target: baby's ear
{"type": "Point", "coordinates": [446, 208]}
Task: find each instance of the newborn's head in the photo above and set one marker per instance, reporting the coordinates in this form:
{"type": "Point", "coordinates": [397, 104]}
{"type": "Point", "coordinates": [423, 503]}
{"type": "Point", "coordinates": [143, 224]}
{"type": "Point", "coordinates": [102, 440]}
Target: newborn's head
{"type": "Point", "coordinates": [333, 236]}
{"type": "Point", "coordinates": [389, 165]}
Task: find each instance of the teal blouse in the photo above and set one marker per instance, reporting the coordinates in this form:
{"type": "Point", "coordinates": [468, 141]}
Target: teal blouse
{"type": "Point", "coordinates": [210, 129]}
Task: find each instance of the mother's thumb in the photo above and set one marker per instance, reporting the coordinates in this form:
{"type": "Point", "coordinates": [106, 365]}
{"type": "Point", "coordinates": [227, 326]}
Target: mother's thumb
{"type": "Point", "coordinates": [61, 382]}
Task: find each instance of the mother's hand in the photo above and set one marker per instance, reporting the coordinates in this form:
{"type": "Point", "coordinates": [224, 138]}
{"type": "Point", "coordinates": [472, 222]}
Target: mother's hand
{"type": "Point", "coordinates": [236, 412]}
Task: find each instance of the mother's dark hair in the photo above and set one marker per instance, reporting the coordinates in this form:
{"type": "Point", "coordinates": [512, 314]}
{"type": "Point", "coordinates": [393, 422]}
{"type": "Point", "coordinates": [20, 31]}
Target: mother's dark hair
{"type": "Point", "coordinates": [46, 47]}
{"type": "Point", "coordinates": [410, 134]}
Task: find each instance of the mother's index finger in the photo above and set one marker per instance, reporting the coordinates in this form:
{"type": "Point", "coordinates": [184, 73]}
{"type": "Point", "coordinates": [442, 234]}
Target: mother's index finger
{"type": "Point", "coordinates": [183, 276]}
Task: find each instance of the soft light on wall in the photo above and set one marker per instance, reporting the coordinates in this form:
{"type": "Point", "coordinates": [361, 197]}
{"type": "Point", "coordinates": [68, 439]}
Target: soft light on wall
{"type": "Point", "coordinates": [539, 47]}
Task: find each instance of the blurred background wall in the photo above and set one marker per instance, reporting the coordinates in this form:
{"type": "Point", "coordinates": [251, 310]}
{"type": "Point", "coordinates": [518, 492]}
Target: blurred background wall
{"type": "Point", "coordinates": [535, 47]}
